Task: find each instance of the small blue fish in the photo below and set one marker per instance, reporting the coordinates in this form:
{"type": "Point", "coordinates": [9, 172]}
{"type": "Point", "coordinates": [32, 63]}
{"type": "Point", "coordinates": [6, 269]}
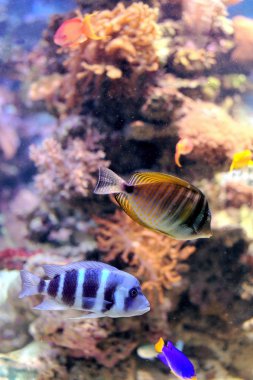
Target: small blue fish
{"type": "Point", "coordinates": [98, 289]}
{"type": "Point", "coordinates": [177, 362]}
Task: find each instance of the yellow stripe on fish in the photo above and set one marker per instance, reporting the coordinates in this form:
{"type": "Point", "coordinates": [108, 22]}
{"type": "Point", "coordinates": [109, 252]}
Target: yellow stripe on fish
{"type": "Point", "coordinates": [161, 202]}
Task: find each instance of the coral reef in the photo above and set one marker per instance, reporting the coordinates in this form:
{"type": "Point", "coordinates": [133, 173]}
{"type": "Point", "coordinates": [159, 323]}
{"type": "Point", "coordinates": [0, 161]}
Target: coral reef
{"type": "Point", "coordinates": [206, 124]}
{"type": "Point", "coordinates": [157, 259]}
{"type": "Point", "coordinates": [163, 71]}
{"type": "Point", "coordinates": [68, 171]}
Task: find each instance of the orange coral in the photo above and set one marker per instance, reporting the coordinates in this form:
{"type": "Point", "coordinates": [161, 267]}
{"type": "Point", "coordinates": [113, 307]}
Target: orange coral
{"type": "Point", "coordinates": [158, 260]}
{"type": "Point", "coordinates": [68, 171]}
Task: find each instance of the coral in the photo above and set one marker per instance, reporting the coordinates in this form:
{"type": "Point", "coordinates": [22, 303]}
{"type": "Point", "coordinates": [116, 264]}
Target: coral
{"type": "Point", "coordinates": [155, 258]}
{"type": "Point", "coordinates": [238, 195]}
{"type": "Point", "coordinates": [68, 171]}
{"type": "Point", "coordinates": [200, 19]}
{"type": "Point", "coordinates": [92, 338]}
{"type": "Point", "coordinates": [189, 60]}
{"type": "Point", "coordinates": [215, 135]}
{"type": "Point", "coordinates": [242, 54]}
{"type": "Point", "coordinates": [37, 360]}
{"type": "Point", "coordinates": [9, 140]}
{"type": "Point", "coordinates": [162, 104]}
{"type": "Point", "coordinates": [213, 270]}
{"type": "Point", "coordinates": [45, 87]}
{"type": "Point", "coordinates": [14, 258]}
{"type": "Point", "coordinates": [112, 67]}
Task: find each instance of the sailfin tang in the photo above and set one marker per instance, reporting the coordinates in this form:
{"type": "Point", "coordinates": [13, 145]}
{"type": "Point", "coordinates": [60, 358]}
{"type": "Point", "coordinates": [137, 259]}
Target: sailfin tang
{"type": "Point", "coordinates": [49, 304]}
{"type": "Point", "coordinates": [30, 284]}
{"type": "Point", "coordinates": [108, 182]}
{"type": "Point", "coordinates": [124, 203]}
{"type": "Point", "coordinates": [52, 270]}
{"type": "Point", "coordinates": [153, 177]}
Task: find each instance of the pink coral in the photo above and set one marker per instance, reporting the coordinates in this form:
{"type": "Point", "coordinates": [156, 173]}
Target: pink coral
{"type": "Point", "coordinates": [14, 258]}
{"type": "Point", "coordinates": [68, 171]}
{"type": "Point", "coordinates": [215, 135]}
{"type": "Point", "coordinates": [242, 54]}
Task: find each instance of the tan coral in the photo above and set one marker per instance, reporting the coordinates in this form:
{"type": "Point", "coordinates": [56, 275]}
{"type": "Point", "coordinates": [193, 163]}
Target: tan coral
{"type": "Point", "coordinates": [157, 259]}
{"type": "Point", "coordinates": [243, 53]}
{"type": "Point", "coordinates": [45, 87]}
{"type": "Point", "coordinates": [69, 171]}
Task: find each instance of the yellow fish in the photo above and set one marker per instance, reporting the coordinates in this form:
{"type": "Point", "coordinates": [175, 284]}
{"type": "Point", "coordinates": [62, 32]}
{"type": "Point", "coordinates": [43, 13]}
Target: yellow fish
{"type": "Point", "coordinates": [160, 202]}
{"type": "Point", "coordinates": [241, 160]}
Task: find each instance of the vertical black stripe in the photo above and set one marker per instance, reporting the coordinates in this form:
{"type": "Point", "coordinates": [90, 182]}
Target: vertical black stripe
{"type": "Point", "coordinates": [189, 222]}
{"type": "Point", "coordinates": [41, 286]}
{"type": "Point", "coordinates": [53, 286]}
{"type": "Point", "coordinates": [204, 222]}
{"type": "Point", "coordinates": [90, 287]}
{"type": "Point", "coordinates": [111, 286]}
{"type": "Point", "coordinates": [69, 287]}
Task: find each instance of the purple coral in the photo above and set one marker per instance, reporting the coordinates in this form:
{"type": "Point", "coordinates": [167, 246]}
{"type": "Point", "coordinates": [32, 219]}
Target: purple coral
{"type": "Point", "coordinates": [68, 171]}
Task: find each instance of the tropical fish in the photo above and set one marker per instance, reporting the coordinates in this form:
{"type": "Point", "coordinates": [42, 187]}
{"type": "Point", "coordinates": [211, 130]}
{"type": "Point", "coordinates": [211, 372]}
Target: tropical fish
{"type": "Point", "coordinates": [74, 31]}
{"type": "Point", "coordinates": [177, 362]}
{"type": "Point", "coordinates": [241, 160]}
{"type": "Point", "coordinates": [160, 202]}
{"type": "Point", "coordinates": [184, 146]}
{"type": "Point", "coordinates": [96, 288]}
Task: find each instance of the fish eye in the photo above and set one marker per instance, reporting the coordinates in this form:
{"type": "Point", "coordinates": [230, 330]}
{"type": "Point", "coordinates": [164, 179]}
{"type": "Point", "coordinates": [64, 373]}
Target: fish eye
{"type": "Point", "coordinates": [133, 292]}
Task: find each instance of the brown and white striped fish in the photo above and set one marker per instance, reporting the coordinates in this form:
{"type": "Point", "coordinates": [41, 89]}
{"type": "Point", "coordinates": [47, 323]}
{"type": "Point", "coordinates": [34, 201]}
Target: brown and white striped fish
{"type": "Point", "coordinates": [161, 202]}
{"type": "Point", "coordinates": [98, 289]}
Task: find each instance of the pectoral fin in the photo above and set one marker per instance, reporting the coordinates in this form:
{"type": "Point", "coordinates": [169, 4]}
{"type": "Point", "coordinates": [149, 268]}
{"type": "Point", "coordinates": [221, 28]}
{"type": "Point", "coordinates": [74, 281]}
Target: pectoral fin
{"type": "Point", "coordinates": [88, 315]}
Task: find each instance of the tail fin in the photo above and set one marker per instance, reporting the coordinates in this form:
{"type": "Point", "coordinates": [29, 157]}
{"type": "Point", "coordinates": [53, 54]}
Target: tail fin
{"type": "Point", "coordinates": [30, 284]}
{"type": "Point", "coordinates": [108, 182]}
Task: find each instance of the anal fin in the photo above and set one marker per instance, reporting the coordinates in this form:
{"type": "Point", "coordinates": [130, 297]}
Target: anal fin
{"type": "Point", "coordinates": [50, 304]}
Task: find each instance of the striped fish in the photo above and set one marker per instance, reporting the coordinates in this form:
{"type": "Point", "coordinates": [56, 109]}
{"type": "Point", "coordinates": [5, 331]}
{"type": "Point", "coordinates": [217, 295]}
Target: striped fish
{"type": "Point", "coordinates": [161, 202]}
{"type": "Point", "coordinates": [96, 288]}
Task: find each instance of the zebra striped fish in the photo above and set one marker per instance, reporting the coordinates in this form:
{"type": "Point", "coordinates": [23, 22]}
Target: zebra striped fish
{"type": "Point", "coordinates": [96, 288]}
{"type": "Point", "coordinates": [160, 202]}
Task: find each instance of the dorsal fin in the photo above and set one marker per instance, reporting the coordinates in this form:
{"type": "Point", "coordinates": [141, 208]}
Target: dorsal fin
{"type": "Point", "coordinates": [52, 270]}
{"type": "Point", "coordinates": [141, 178]}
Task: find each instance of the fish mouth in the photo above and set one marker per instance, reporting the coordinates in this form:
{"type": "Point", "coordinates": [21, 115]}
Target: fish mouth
{"type": "Point", "coordinates": [143, 311]}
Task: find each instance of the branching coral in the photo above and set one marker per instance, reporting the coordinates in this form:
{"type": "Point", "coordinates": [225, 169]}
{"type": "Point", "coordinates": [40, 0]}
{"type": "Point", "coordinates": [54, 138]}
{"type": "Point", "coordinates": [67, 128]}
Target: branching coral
{"type": "Point", "coordinates": [157, 259]}
{"type": "Point", "coordinates": [68, 171]}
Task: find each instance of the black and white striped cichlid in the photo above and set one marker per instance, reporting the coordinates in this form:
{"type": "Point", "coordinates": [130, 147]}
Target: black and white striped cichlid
{"type": "Point", "coordinates": [160, 202]}
{"type": "Point", "coordinates": [96, 288]}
